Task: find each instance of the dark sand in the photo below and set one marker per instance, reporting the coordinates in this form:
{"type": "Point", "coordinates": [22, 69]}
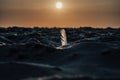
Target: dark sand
{"type": "Point", "coordinates": [31, 54]}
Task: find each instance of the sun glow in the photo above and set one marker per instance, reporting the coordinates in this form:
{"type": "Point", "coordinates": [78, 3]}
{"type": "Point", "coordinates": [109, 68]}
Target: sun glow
{"type": "Point", "coordinates": [59, 5]}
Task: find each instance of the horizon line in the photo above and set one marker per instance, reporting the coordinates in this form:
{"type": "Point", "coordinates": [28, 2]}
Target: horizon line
{"type": "Point", "coordinates": [56, 27]}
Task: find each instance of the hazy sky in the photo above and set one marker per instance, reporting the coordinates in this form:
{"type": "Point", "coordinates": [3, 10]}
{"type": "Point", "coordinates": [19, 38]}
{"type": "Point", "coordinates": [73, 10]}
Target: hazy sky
{"type": "Point", "coordinates": [75, 13]}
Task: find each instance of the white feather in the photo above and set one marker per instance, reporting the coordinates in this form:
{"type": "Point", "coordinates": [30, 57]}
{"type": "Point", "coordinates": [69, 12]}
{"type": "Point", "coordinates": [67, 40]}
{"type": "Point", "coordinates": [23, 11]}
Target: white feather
{"type": "Point", "coordinates": [63, 37]}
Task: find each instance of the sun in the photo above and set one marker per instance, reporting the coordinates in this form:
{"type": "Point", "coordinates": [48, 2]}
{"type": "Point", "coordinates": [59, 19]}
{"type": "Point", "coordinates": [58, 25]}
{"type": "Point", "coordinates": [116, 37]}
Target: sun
{"type": "Point", "coordinates": [59, 5]}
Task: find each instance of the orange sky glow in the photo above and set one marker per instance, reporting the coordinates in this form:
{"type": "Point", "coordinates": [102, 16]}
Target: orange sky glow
{"type": "Point", "coordinates": [74, 13]}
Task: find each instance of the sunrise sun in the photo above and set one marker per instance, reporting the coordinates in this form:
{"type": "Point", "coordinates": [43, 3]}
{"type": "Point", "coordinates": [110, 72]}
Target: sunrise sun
{"type": "Point", "coordinates": [59, 5]}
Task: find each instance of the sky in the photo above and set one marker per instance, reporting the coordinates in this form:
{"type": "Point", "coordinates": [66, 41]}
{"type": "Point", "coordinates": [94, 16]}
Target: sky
{"type": "Point", "coordinates": [74, 13]}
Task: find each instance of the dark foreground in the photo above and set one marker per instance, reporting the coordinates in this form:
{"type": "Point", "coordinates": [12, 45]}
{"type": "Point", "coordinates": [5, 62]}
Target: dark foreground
{"type": "Point", "coordinates": [31, 54]}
